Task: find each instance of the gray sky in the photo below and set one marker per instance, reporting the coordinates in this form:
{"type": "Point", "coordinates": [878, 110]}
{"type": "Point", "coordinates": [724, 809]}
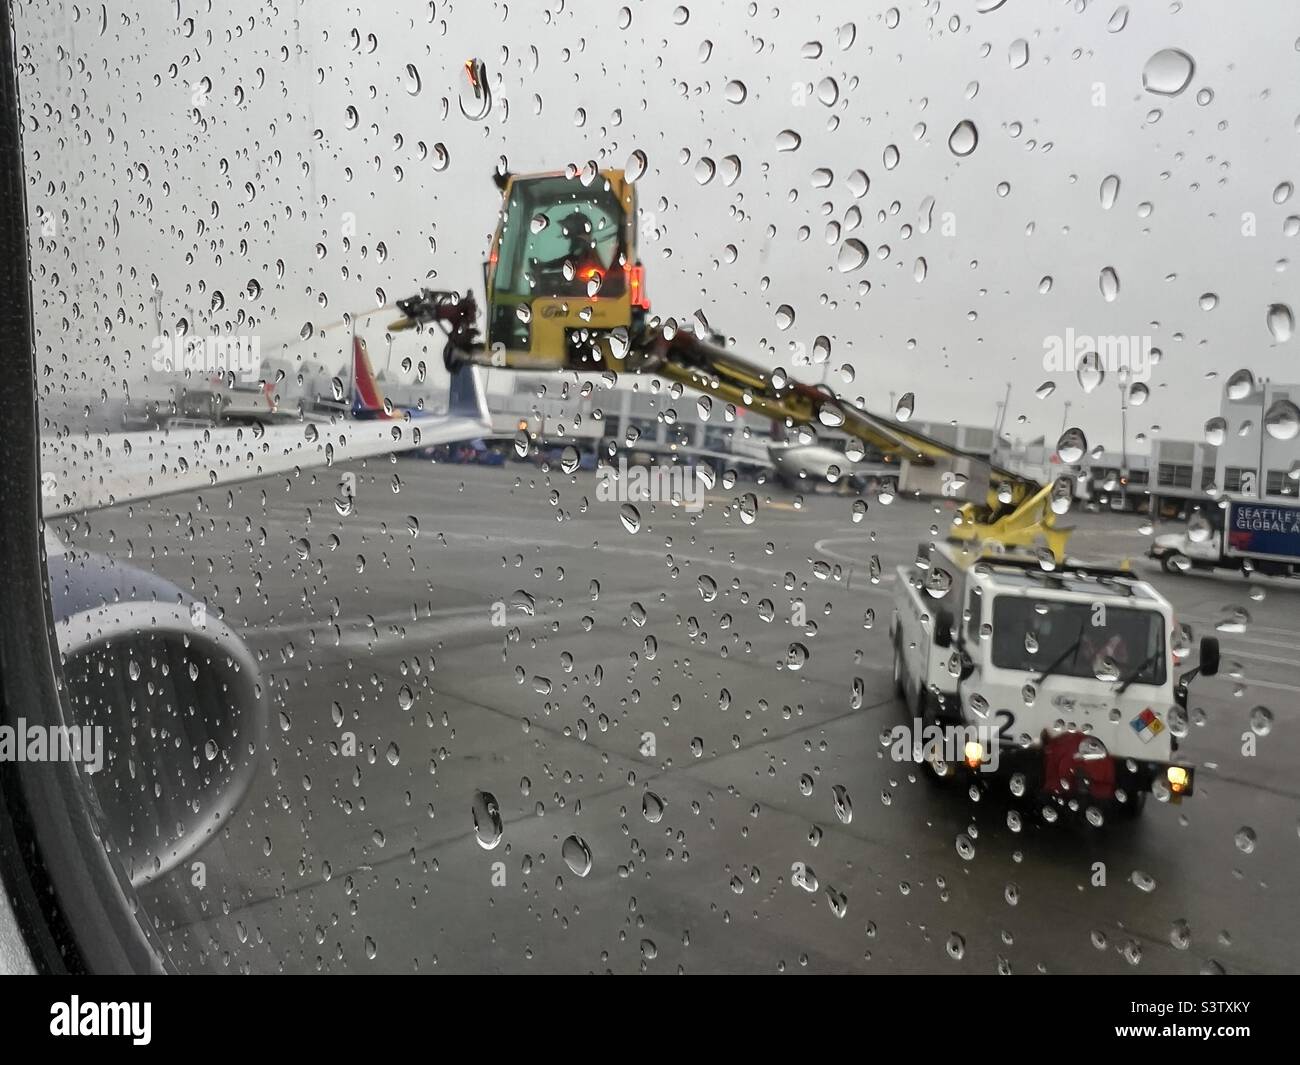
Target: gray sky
{"type": "Point", "coordinates": [269, 163]}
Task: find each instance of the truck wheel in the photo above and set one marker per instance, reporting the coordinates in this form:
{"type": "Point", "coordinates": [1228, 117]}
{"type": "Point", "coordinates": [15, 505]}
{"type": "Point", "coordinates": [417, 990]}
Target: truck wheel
{"type": "Point", "coordinates": [1175, 562]}
{"type": "Point", "coordinates": [1132, 809]}
{"type": "Point", "coordinates": [900, 683]}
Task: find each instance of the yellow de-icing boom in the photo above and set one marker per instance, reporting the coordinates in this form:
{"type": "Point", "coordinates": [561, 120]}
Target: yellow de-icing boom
{"type": "Point", "coordinates": [1008, 508]}
{"type": "Point", "coordinates": [566, 291]}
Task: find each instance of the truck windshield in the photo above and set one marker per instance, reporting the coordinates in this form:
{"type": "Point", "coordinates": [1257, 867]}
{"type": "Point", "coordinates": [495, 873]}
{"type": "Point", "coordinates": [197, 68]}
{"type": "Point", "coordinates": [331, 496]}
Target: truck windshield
{"type": "Point", "coordinates": [1031, 634]}
{"type": "Point", "coordinates": [556, 234]}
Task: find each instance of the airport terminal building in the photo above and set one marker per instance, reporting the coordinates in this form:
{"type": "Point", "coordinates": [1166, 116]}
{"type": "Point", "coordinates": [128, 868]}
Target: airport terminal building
{"type": "Point", "coordinates": [1238, 457]}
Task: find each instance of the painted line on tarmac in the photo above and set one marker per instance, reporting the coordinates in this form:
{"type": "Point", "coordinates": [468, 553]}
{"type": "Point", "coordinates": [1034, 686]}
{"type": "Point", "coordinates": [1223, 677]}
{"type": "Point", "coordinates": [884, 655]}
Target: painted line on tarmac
{"type": "Point", "coordinates": [1232, 652]}
{"type": "Point", "coordinates": [1252, 628]}
{"type": "Point", "coordinates": [1251, 683]}
{"type": "Point", "coordinates": [821, 548]}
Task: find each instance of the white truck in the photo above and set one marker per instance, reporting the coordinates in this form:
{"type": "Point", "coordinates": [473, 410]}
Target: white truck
{"type": "Point", "coordinates": [1248, 536]}
{"type": "Point", "coordinates": [1062, 679]}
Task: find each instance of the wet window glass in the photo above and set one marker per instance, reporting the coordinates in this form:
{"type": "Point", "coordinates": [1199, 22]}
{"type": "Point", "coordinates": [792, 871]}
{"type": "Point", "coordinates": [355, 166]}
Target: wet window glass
{"type": "Point", "coordinates": [523, 484]}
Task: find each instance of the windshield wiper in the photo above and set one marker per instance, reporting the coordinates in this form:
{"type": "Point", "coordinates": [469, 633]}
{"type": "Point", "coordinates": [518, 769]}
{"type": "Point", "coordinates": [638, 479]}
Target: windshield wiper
{"type": "Point", "coordinates": [1067, 653]}
{"type": "Point", "coordinates": [1151, 658]}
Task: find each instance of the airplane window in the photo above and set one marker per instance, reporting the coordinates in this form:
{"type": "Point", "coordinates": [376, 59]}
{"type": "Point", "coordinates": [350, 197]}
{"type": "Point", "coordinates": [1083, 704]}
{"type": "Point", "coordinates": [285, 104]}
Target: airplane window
{"type": "Point", "coordinates": [481, 452]}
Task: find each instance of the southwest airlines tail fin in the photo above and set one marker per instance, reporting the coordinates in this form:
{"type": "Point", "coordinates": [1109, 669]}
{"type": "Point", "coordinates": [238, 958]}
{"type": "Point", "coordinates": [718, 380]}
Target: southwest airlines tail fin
{"type": "Point", "coordinates": [465, 397]}
{"type": "Point", "coordinates": [367, 399]}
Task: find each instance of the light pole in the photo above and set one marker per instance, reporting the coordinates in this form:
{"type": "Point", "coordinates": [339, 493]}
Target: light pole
{"type": "Point", "coordinates": [1260, 477]}
{"type": "Point", "coordinates": [1123, 441]}
{"type": "Point", "coordinates": [1002, 414]}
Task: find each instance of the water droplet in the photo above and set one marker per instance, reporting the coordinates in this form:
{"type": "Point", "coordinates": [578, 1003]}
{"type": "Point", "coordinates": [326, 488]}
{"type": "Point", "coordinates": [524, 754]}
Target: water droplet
{"type": "Point", "coordinates": [1261, 720]}
{"type": "Point", "coordinates": [1109, 284]}
{"type": "Point", "coordinates": [748, 508]}
{"type": "Point", "coordinates": [652, 807]}
{"type": "Point", "coordinates": [1233, 620]}
{"type": "Point", "coordinates": [1180, 935]}
{"type": "Point", "coordinates": [843, 804]}
{"type": "Point", "coordinates": [853, 253]}
{"type": "Point", "coordinates": [631, 517]}
{"type": "Point", "coordinates": [1109, 191]}
{"type": "Point", "coordinates": [796, 657]}
{"type": "Point", "coordinates": [1090, 372]}
{"type": "Point", "coordinates": [964, 138]}
{"type": "Point", "coordinates": [1282, 420]}
{"type": "Point", "coordinates": [1072, 446]}
{"type": "Point", "coordinates": [1168, 72]}
{"type": "Point", "coordinates": [1281, 322]}
{"type": "Point", "coordinates": [1240, 385]}
{"type": "Point", "coordinates": [487, 820]}
{"type": "Point", "coordinates": [1143, 881]}
{"type": "Point", "coordinates": [576, 855]}
{"type": "Point", "coordinates": [830, 415]}
{"type": "Point", "coordinates": [788, 141]}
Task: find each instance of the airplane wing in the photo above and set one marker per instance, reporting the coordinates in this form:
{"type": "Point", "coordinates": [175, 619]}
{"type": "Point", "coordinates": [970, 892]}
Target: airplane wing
{"type": "Point", "coordinates": [92, 470]}
{"type": "Point", "coordinates": [132, 642]}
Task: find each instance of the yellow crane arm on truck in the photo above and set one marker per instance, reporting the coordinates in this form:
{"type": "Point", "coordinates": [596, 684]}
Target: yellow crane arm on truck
{"type": "Point", "coordinates": [566, 291]}
{"type": "Point", "coordinates": [1000, 507]}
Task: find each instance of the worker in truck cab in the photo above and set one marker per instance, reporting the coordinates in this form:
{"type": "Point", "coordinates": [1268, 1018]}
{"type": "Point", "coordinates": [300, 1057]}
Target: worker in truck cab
{"type": "Point", "coordinates": [1104, 646]}
{"type": "Point", "coordinates": [580, 255]}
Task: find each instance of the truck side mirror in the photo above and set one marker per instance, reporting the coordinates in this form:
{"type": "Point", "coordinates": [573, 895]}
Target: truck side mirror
{"type": "Point", "coordinates": [1209, 656]}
